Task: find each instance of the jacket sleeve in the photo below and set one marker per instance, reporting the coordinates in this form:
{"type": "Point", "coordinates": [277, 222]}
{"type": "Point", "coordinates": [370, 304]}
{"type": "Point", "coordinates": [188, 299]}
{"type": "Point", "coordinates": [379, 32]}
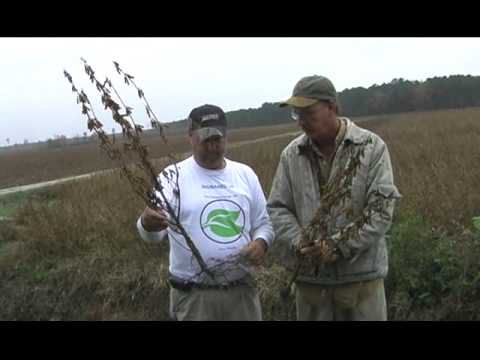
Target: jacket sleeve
{"type": "Point", "coordinates": [379, 183]}
{"type": "Point", "coordinates": [281, 205]}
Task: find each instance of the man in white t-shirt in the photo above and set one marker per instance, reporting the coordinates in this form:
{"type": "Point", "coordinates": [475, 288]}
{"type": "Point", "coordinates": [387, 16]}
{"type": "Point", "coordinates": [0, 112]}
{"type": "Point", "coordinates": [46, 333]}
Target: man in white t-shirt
{"type": "Point", "coordinates": [223, 210]}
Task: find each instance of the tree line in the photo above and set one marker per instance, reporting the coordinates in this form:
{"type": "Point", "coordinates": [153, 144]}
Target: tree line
{"type": "Point", "coordinates": [399, 95]}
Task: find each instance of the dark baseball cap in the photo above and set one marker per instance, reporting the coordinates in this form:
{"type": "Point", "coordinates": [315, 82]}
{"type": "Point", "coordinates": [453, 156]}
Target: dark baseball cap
{"type": "Point", "coordinates": [309, 90]}
{"type": "Point", "coordinates": [207, 121]}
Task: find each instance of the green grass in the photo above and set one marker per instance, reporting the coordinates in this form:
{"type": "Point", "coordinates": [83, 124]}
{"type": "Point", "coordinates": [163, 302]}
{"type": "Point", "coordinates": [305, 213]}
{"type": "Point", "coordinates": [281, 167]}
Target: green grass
{"type": "Point", "coordinates": [10, 203]}
{"type": "Point", "coordinates": [433, 275]}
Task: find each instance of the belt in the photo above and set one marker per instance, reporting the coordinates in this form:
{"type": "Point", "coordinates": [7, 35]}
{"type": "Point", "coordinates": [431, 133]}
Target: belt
{"type": "Point", "coordinates": [185, 285]}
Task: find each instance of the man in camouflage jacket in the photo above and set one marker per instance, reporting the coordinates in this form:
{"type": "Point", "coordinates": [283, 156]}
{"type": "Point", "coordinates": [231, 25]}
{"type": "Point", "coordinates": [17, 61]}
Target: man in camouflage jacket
{"type": "Point", "coordinates": [350, 284]}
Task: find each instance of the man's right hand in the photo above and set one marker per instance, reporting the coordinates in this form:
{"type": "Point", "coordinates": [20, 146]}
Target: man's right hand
{"type": "Point", "coordinates": [322, 250]}
{"type": "Point", "coordinates": [154, 220]}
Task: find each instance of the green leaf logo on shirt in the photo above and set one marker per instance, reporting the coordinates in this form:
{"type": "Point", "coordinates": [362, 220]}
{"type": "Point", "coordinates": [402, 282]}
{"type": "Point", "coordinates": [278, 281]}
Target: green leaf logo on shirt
{"type": "Point", "coordinates": [222, 223]}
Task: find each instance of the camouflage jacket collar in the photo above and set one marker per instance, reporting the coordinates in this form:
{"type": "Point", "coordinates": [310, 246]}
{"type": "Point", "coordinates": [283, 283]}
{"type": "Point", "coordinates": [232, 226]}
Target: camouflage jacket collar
{"type": "Point", "coordinates": [353, 134]}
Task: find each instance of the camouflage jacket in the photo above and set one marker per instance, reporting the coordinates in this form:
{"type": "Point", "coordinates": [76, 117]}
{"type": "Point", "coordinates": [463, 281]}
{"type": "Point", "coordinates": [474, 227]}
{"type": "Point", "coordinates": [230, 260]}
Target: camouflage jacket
{"type": "Point", "coordinates": [295, 197]}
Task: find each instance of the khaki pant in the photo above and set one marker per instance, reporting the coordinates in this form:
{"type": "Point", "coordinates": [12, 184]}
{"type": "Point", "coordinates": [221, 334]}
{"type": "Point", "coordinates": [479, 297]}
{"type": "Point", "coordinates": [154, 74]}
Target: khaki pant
{"type": "Point", "coordinates": [240, 303]}
{"type": "Point", "coordinates": [362, 301]}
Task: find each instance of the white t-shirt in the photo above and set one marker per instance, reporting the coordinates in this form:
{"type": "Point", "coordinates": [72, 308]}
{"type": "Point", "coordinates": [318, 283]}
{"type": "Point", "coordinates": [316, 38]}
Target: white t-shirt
{"type": "Point", "coordinates": [221, 210]}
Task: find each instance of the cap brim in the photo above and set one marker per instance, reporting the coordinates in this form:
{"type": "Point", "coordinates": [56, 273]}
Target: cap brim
{"type": "Point", "coordinates": [208, 132]}
{"type": "Point", "coordinates": [299, 101]}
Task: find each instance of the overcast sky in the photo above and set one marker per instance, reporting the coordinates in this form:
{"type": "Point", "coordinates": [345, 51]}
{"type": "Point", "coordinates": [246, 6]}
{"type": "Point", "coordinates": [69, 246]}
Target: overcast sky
{"type": "Point", "coordinates": [178, 74]}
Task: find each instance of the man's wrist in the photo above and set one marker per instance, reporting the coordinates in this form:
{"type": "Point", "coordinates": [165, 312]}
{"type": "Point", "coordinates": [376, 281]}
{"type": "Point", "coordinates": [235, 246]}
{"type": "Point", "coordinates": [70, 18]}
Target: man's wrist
{"type": "Point", "coordinates": [143, 224]}
{"type": "Point", "coordinates": [264, 243]}
{"type": "Point", "coordinates": [147, 228]}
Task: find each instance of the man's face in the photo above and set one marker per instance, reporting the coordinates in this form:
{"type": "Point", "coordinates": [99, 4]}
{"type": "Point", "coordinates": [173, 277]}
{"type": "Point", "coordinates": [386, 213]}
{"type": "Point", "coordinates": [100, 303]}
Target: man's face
{"type": "Point", "coordinates": [316, 120]}
{"type": "Point", "coordinates": [210, 150]}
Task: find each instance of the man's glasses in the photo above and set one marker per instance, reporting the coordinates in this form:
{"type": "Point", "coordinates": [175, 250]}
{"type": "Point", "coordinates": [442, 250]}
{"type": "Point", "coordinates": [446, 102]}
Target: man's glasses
{"type": "Point", "coordinates": [303, 114]}
{"type": "Point", "coordinates": [295, 115]}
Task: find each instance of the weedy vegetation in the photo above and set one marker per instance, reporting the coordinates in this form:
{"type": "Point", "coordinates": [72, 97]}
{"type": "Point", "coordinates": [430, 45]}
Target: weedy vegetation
{"type": "Point", "coordinates": [74, 254]}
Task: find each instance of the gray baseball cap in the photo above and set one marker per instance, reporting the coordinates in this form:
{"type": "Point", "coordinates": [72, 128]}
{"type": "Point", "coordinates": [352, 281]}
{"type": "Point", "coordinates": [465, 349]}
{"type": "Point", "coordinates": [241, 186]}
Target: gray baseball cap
{"type": "Point", "coordinates": [207, 121]}
{"type": "Point", "coordinates": [309, 90]}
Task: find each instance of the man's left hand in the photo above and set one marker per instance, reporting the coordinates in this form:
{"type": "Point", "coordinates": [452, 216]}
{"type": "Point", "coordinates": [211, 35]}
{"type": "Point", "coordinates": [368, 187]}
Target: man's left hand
{"type": "Point", "coordinates": [255, 251]}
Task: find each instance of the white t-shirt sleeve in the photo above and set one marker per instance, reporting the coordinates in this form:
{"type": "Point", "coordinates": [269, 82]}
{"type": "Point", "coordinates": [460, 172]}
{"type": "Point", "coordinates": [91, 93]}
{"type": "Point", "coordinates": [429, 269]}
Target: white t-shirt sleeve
{"type": "Point", "coordinates": [150, 236]}
{"type": "Point", "coordinates": [158, 236]}
{"type": "Point", "coordinates": [260, 221]}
